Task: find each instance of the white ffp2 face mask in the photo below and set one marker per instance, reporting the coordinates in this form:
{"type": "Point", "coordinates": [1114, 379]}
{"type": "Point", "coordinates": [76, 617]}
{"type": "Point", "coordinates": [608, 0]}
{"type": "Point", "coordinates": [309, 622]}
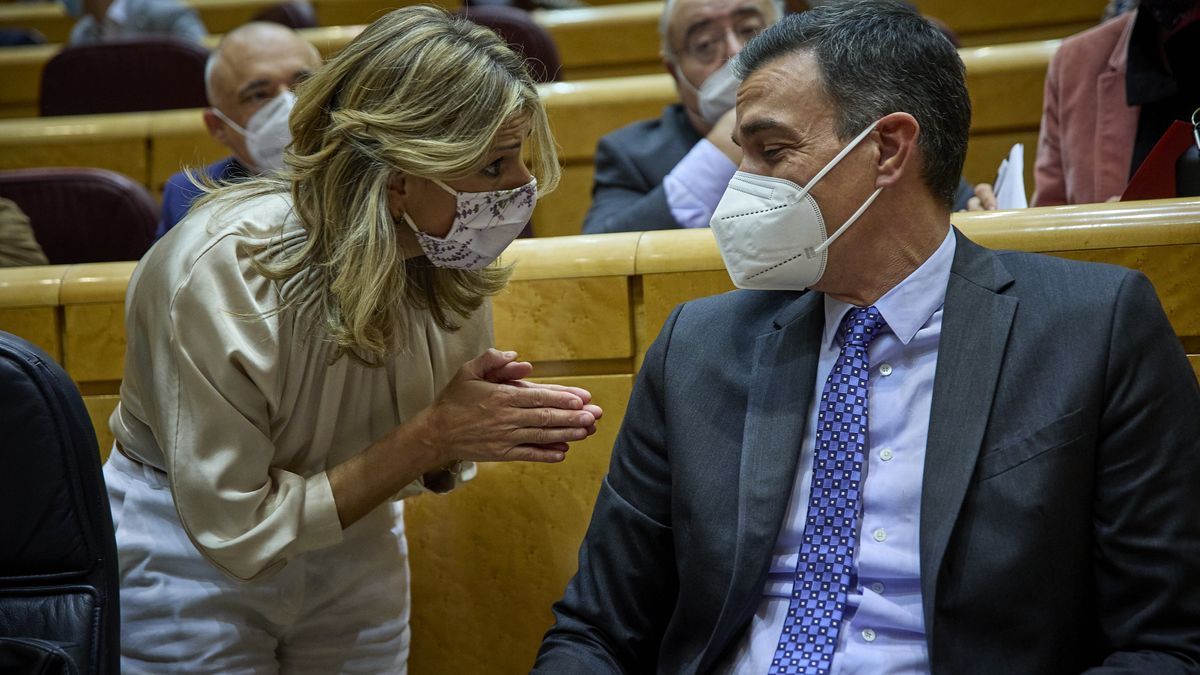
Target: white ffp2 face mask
{"type": "Point", "coordinates": [267, 132]}
{"type": "Point", "coordinates": [771, 233]}
{"type": "Point", "coordinates": [717, 94]}
{"type": "Point", "coordinates": [485, 223]}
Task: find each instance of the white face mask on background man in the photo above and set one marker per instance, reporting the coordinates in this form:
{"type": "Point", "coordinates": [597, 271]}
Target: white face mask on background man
{"type": "Point", "coordinates": [771, 233]}
{"type": "Point", "coordinates": [485, 223]}
{"type": "Point", "coordinates": [717, 94]}
{"type": "Point", "coordinates": [267, 132]}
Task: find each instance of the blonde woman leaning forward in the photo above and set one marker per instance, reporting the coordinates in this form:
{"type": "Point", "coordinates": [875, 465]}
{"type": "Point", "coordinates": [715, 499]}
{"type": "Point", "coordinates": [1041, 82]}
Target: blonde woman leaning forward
{"type": "Point", "coordinates": [306, 349]}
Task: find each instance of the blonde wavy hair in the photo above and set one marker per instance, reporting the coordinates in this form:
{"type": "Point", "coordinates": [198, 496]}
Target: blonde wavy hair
{"type": "Point", "coordinates": [421, 92]}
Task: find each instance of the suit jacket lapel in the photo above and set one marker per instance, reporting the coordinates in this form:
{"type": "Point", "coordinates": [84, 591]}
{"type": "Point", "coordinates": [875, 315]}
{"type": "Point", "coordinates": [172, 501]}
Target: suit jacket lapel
{"type": "Point", "coordinates": [1116, 123]}
{"type": "Point", "coordinates": [975, 327]}
{"type": "Point", "coordinates": [781, 386]}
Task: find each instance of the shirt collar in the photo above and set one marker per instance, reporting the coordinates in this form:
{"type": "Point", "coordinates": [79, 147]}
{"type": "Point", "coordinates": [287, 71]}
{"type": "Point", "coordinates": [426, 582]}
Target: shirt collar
{"type": "Point", "coordinates": [910, 303]}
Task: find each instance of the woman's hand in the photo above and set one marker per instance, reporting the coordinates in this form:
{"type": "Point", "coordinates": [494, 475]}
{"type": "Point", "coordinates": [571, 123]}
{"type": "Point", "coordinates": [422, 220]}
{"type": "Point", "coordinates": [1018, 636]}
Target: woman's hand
{"type": "Point", "coordinates": [488, 413]}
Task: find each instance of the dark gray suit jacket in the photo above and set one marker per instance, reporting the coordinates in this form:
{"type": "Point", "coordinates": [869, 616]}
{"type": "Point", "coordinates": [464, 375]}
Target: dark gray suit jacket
{"type": "Point", "coordinates": [631, 163]}
{"type": "Point", "coordinates": [1060, 511]}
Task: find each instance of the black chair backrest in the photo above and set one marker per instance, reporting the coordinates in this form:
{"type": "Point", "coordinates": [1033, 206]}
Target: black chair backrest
{"type": "Point", "coordinates": [128, 75]}
{"type": "Point", "coordinates": [83, 215]}
{"type": "Point", "coordinates": [59, 605]}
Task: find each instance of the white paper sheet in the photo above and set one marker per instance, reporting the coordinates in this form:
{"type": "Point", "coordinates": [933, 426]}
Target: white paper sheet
{"type": "Point", "coordinates": [1010, 180]}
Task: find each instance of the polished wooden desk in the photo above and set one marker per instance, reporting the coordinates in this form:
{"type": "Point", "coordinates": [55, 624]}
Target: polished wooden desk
{"type": "Point", "coordinates": [489, 560]}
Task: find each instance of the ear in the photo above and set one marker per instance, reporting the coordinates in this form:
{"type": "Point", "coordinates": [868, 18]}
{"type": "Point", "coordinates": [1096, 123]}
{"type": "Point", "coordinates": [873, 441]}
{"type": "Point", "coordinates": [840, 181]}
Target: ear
{"type": "Point", "coordinates": [216, 128]}
{"type": "Point", "coordinates": [898, 134]}
{"type": "Point", "coordinates": [397, 192]}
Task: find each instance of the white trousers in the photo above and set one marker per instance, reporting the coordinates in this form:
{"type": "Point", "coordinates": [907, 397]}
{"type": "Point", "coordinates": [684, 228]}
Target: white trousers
{"type": "Point", "coordinates": [343, 609]}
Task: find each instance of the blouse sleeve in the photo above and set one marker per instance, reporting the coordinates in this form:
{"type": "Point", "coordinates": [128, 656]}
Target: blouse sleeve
{"type": "Point", "coordinates": [247, 516]}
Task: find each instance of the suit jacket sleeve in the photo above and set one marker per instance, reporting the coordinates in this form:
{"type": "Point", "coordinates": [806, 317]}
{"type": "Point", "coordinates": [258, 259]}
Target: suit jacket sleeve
{"type": "Point", "coordinates": [1049, 186]}
{"type": "Point", "coordinates": [622, 199]}
{"type": "Point", "coordinates": [1147, 533]}
{"type": "Point", "coordinates": [613, 614]}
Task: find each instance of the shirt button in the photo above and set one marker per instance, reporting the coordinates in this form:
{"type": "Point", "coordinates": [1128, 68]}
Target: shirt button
{"type": "Point", "coordinates": [885, 369]}
{"type": "Point", "coordinates": [868, 635]}
{"type": "Point", "coordinates": [877, 587]}
{"type": "Point", "coordinates": [886, 454]}
{"type": "Point", "coordinates": [879, 535]}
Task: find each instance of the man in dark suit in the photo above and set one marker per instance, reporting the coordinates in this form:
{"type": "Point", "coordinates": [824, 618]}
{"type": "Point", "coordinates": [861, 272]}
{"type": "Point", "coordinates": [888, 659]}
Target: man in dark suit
{"type": "Point", "coordinates": [632, 191]}
{"type": "Point", "coordinates": [938, 458]}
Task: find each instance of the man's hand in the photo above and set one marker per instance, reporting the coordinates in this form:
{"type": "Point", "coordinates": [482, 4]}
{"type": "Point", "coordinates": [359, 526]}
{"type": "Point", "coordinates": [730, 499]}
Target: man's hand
{"type": "Point", "coordinates": [722, 137]}
{"type": "Point", "coordinates": [984, 199]}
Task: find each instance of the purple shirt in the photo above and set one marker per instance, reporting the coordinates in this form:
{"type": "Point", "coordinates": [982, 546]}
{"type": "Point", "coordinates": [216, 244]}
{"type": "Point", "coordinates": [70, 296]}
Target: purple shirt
{"type": "Point", "coordinates": [697, 183]}
{"type": "Point", "coordinates": [884, 630]}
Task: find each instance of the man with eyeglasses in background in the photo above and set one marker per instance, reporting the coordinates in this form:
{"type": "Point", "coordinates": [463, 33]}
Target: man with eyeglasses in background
{"type": "Point", "coordinates": [670, 172]}
{"type": "Point", "coordinates": [663, 173]}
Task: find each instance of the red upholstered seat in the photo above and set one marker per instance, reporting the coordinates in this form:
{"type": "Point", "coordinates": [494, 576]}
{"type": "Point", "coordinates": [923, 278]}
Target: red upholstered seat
{"type": "Point", "coordinates": [296, 14]}
{"type": "Point", "coordinates": [124, 76]}
{"type": "Point", "coordinates": [83, 215]}
{"type": "Point", "coordinates": [521, 33]}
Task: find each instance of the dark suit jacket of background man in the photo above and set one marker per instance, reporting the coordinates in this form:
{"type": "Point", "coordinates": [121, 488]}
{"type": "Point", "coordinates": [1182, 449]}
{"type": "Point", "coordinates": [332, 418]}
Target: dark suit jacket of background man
{"type": "Point", "coordinates": [1060, 511]}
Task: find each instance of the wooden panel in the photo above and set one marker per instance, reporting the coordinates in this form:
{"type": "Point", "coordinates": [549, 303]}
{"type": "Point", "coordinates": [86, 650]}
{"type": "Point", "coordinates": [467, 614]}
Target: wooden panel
{"type": "Point", "coordinates": [565, 319]}
{"type": "Point", "coordinates": [986, 151]}
{"type": "Point", "coordinates": [48, 18]}
{"type": "Point", "coordinates": [973, 19]}
{"type": "Point", "coordinates": [178, 139]}
{"type": "Point", "coordinates": [1172, 269]}
{"type": "Point", "coordinates": [21, 79]}
{"type": "Point", "coordinates": [489, 559]}
{"type": "Point", "coordinates": [662, 292]}
{"type": "Point", "coordinates": [581, 112]}
{"type": "Point", "coordinates": [99, 408]}
{"type": "Point", "coordinates": [595, 38]}
{"type": "Point", "coordinates": [94, 341]}
{"type": "Point", "coordinates": [1195, 359]}
{"type": "Point", "coordinates": [115, 142]}
{"type": "Point", "coordinates": [561, 213]}
{"type": "Point", "coordinates": [39, 325]}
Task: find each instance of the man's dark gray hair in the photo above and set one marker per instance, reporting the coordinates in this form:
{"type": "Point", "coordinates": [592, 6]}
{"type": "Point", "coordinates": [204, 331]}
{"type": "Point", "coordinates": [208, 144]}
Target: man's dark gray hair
{"type": "Point", "coordinates": [879, 57]}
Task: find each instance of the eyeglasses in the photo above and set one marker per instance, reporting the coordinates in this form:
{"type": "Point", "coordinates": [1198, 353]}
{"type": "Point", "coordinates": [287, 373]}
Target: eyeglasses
{"type": "Point", "coordinates": [707, 44]}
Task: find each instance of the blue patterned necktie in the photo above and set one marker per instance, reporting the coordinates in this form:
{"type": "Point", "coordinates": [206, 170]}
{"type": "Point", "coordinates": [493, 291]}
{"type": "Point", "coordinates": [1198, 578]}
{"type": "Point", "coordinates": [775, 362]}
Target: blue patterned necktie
{"type": "Point", "coordinates": [826, 564]}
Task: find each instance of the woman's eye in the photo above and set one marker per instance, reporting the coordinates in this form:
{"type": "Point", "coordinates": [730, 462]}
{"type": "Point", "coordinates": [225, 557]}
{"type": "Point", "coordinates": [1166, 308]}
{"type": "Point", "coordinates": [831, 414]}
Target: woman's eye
{"type": "Point", "coordinates": [493, 170]}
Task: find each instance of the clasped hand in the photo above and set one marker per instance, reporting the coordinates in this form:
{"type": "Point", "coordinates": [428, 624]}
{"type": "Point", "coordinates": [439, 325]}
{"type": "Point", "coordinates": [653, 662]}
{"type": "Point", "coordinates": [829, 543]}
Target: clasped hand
{"type": "Point", "coordinates": [490, 413]}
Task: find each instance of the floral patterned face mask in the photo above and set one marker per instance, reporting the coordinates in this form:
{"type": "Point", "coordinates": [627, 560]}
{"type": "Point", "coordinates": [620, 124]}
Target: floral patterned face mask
{"type": "Point", "coordinates": [485, 223]}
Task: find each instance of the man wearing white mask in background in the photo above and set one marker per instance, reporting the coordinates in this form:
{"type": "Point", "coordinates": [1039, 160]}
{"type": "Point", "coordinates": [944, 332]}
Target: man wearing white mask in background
{"type": "Point", "coordinates": [248, 78]}
{"type": "Point", "coordinates": [670, 172]}
{"type": "Point", "coordinates": [895, 451]}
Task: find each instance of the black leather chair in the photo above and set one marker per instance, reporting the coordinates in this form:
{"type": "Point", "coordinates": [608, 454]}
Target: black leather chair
{"type": "Point", "coordinates": [523, 35]}
{"type": "Point", "coordinates": [59, 607]}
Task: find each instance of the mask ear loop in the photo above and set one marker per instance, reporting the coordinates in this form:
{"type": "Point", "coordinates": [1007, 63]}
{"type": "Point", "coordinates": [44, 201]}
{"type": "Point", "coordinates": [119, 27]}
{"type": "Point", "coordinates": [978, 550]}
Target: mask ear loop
{"type": "Point", "coordinates": [834, 162]}
{"type": "Point", "coordinates": [224, 118]}
{"type": "Point", "coordinates": [811, 252]}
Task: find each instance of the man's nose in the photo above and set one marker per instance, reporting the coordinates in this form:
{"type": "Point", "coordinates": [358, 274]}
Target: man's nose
{"type": "Point", "coordinates": [733, 44]}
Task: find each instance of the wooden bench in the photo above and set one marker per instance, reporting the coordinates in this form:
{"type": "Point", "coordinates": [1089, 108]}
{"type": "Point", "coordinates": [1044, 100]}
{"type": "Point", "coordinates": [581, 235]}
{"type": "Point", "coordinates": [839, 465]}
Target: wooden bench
{"type": "Point", "coordinates": [489, 560]}
{"type": "Point", "coordinates": [1005, 83]}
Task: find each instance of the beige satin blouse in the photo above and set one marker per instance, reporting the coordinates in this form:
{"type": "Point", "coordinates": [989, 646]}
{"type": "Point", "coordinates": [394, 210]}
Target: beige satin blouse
{"type": "Point", "coordinates": [245, 412]}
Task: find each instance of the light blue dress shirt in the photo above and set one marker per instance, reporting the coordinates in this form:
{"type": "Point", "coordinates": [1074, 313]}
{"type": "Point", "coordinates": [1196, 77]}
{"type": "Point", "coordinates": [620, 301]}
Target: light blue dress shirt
{"type": "Point", "coordinates": [697, 183]}
{"type": "Point", "coordinates": [884, 629]}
